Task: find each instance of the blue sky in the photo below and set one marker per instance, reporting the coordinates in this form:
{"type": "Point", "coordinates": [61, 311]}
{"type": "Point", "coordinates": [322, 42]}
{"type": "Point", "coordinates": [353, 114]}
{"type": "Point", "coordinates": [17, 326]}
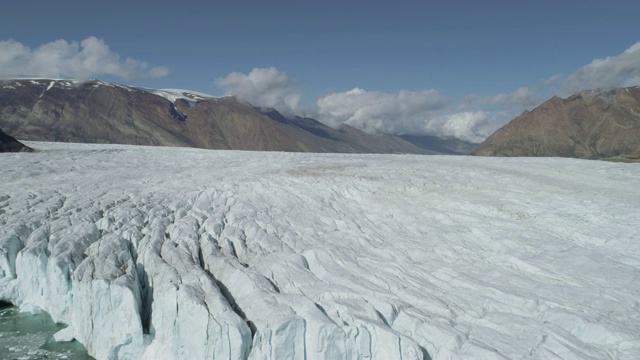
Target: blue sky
{"type": "Point", "coordinates": [446, 51]}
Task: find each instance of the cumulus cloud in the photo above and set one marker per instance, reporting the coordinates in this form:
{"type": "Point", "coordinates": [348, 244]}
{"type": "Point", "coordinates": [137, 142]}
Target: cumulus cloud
{"type": "Point", "coordinates": [60, 58]}
{"type": "Point", "coordinates": [463, 125]}
{"type": "Point", "coordinates": [472, 126]}
{"type": "Point", "coordinates": [264, 87]}
{"type": "Point", "coordinates": [612, 71]}
{"type": "Point", "coordinates": [402, 112]}
{"type": "Point", "coordinates": [158, 72]}
{"type": "Point", "coordinates": [475, 117]}
{"type": "Point", "coordinates": [424, 112]}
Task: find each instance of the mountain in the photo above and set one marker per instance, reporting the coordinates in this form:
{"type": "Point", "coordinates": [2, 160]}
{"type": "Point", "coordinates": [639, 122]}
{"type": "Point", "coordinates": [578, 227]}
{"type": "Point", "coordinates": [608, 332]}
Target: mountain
{"type": "Point", "coordinates": [9, 144]}
{"type": "Point", "coordinates": [98, 112]}
{"type": "Point", "coordinates": [348, 138]}
{"type": "Point", "coordinates": [380, 142]}
{"type": "Point", "coordinates": [442, 145]}
{"type": "Point", "coordinates": [592, 124]}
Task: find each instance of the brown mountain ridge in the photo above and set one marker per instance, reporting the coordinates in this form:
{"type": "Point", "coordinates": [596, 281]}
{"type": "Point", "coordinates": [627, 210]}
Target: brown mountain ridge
{"type": "Point", "coordinates": [98, 112]}
{"type": "Point", "coordinates": [592, 124]}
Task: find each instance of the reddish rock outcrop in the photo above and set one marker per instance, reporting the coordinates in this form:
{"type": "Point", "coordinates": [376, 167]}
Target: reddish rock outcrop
{"type": "Point", "coordinates": [590, 124]}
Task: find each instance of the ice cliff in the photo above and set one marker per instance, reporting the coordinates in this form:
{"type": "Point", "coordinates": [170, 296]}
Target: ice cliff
{"type": "Point", "coordinates": [180, 253]}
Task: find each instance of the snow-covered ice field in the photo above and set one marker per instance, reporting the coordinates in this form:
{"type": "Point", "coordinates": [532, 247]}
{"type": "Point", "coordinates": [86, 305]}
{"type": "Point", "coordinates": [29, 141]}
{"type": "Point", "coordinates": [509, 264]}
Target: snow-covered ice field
{"type": "Point", "coordinates": [154, 253]}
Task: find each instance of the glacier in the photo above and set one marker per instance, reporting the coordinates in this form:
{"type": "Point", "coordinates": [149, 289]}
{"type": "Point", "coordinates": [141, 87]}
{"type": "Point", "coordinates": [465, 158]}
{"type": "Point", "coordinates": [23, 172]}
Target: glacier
{"type": "Point", "coordinates": [150, 252]}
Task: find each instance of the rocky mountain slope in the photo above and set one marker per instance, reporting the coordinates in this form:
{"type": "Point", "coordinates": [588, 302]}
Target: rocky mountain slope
{"type": "Point", "coordinates": [9, 144]}
{"type": "Point", "coordinates": [441, 144]}
{"type": "Point", "coordinates": [98, 112]}
{"type": "Point", "coordinates": [590, 124]}
{"type": "Point", "coordinates": [350, 138]}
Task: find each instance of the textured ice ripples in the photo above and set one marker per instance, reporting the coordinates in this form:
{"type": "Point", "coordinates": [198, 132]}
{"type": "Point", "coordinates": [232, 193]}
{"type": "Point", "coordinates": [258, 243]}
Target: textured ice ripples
{"type": "Point", "coordinates": [155, 252]}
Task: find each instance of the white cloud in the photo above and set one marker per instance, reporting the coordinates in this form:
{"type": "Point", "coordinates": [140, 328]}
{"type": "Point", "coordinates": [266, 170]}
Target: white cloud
{"type": "Point", "coordinates": [265, 87]}
{"type": "Point", "coordinates": [158, 72]}
{"type": "Point", "coordinates": [60, 58]}
{"type": "Point", "coordinates": [472, 126]}
{"type": "Point", "coordinates": [403, 112]}
{"type": "Point", "coordinates": [475, 117]}
{"type": "Point", "coordinates": [425, 112]}
{"type": "Point", "coordinates": [11, 51]}
{"type": "Point", "coordinates": [612, 71]}
{"type": "Point", "coordinates": [635, 81]}
{"type": "Point", "coordinates": [460, 125]}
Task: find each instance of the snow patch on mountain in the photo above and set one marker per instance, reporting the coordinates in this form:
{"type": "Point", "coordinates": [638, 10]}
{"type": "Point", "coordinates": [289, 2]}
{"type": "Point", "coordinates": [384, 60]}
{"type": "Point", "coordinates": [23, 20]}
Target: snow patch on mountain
{"type": "Point", "coordinates": [192, 97]}
{"type": "Point", "coordinates": [152, 252]}
{"type": "Point", "coordinates": [49, 83]}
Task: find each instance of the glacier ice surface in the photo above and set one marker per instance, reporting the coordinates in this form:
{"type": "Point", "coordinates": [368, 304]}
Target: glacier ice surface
{"type": "Point", "coordinates": [150, 252]}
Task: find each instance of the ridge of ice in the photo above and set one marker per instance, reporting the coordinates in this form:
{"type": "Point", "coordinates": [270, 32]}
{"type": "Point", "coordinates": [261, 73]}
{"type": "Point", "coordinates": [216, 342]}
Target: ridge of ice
{"type": "Point", "coordinates": [150, 252]}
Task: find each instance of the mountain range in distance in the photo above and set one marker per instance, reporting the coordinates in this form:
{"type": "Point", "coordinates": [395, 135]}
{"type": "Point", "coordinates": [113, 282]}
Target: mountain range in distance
{"type": "Point", "coordinates": [591, 124]}
{"type": "Point", "coordinates": [98, 112]}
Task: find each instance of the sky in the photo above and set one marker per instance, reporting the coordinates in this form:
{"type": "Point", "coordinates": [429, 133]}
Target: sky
{"type": "Point", "coordinates": [449, 68]}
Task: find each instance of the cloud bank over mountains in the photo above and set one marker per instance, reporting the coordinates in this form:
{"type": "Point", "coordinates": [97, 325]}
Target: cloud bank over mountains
{"type": "Point", "coordinates": [373, 110]}
{"type": "Point", "coordinates": [423, 112]}
{"type": "Point", "coordinates": [612, 71]}
{"type": "Point", "coordinates": [419, 112]}
{"type": "Point", "coordinates": [426, 112]}
{"type": "Point", "coordinates": [89, 58]}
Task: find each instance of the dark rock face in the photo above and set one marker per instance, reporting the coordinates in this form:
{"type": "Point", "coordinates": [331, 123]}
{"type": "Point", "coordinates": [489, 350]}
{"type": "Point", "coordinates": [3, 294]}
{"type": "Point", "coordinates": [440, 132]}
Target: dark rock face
{"type": "Point", "coordinates": [590, 124]}
{"type": "Point", "coordinates": [97, 112]}
{"type": "Point", "coordinates": [9, 144]}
